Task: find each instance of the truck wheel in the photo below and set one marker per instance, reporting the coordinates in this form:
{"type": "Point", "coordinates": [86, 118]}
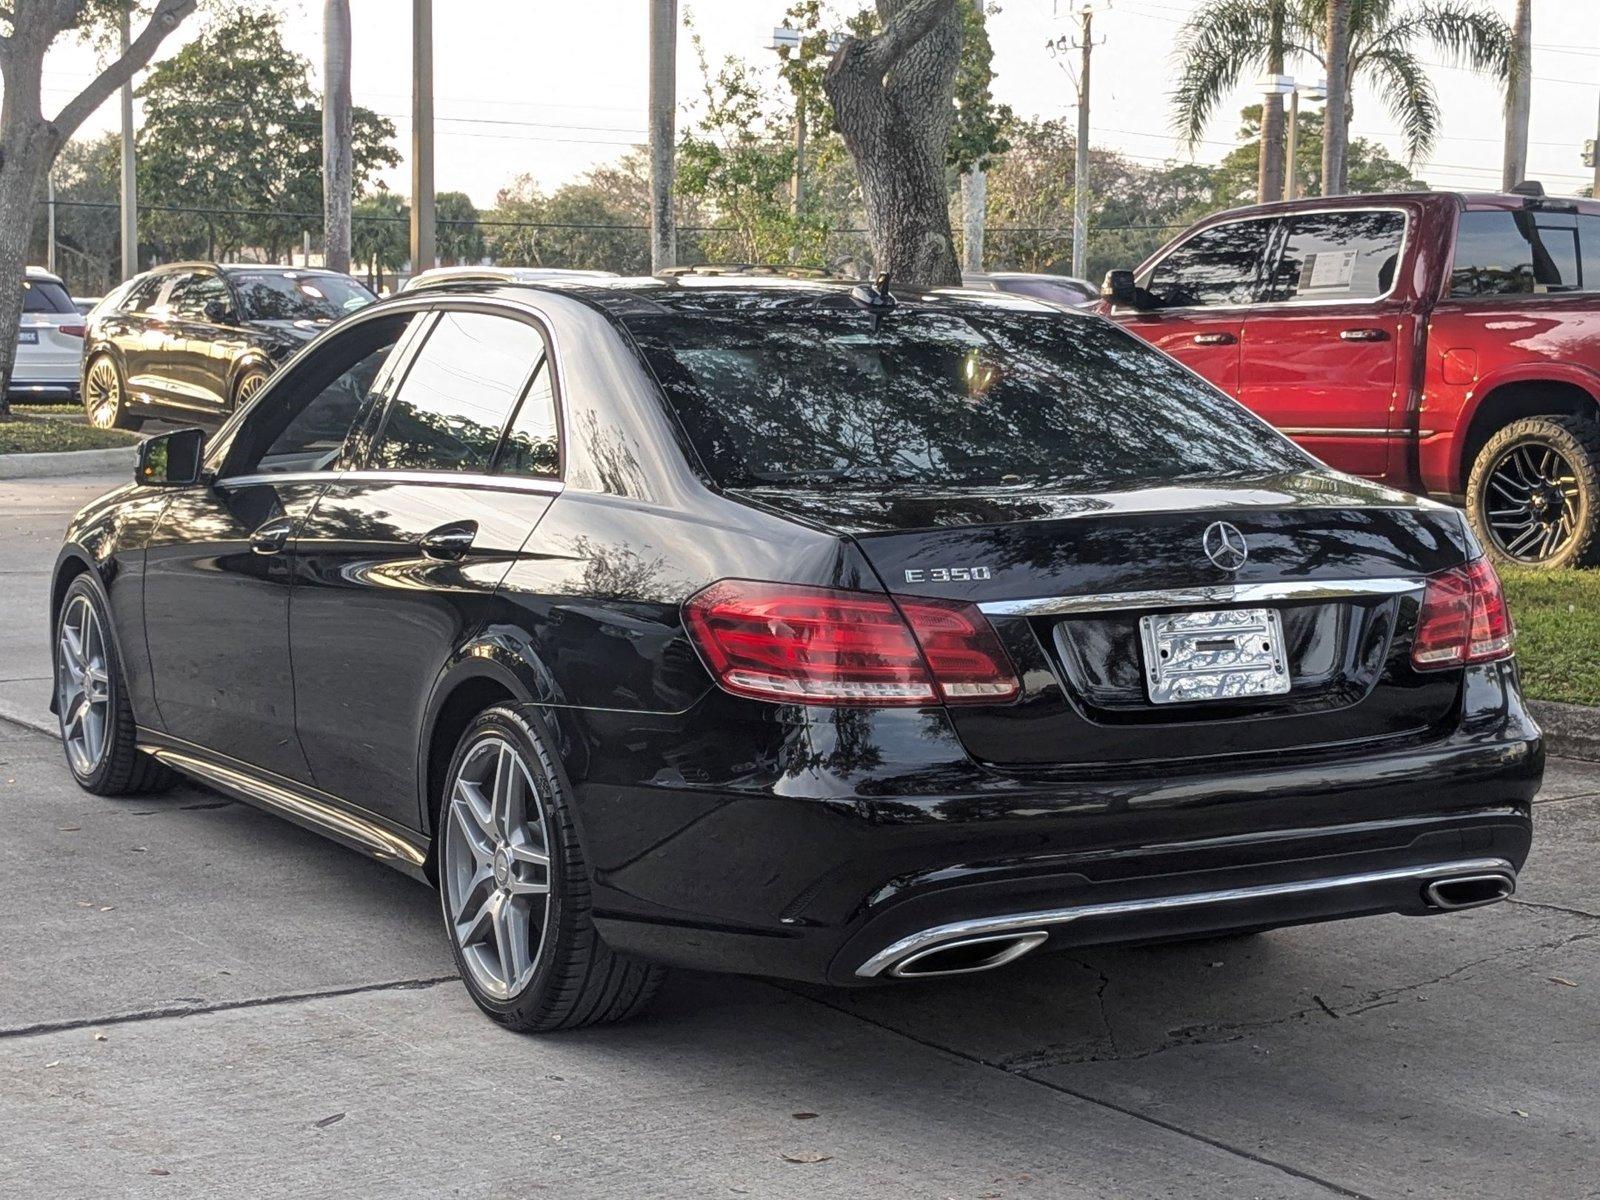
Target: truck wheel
{"type": "Point", "coordinates": [1534, 494]}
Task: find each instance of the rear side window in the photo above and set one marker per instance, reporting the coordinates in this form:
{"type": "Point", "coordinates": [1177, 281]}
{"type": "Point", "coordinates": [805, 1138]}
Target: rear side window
{"type": "Point", "coordinates": [1220, 265]}
{"type": "Point", "coordinates": [1337, 256]}
{"type": "Point", "coordinates": [940, 398]}
{"type": "Point", "coordinates": [531, 446]}
{"type": "Point", "coordinates": [458, 394]}
{"type": "Point", "coordinates": [1506, 253]}
{"type": "Point", "coordinates": [45, 296]}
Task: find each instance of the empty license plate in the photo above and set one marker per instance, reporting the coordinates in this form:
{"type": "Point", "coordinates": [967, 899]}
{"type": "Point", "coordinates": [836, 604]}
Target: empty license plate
{"type": "Point", "coordinates": [1219, 655]}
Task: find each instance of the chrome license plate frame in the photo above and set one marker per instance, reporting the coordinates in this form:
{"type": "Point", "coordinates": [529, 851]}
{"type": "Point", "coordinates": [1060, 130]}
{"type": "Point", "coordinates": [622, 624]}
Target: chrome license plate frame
{"type": "Point", "coordinates": [1218, 654]}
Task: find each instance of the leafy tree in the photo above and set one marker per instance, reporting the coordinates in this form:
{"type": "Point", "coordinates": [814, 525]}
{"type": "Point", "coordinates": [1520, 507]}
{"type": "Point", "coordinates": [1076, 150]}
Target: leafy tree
{"type": "Point", "coordinates": [232, 125]}
{"type": "Point", "coordinates": [1225, 42]}
{"type": "Point", "coordinates": [980, 126]}
{"type": "Point", "coordinates": [597, 222]}
{"type": "Point", "coordinates": [31, 141]}
{"type": "Point", "coordinates": [1369, 166]}
{"type": "Point", "coordinates": [87, 176]}
{"type": "Point", "coordinates": [460, 238]}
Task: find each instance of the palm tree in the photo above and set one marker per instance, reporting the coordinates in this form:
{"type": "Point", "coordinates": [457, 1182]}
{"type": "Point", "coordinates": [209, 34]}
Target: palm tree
{"type": "Point", "coordinates": [337, 130]}
{"type": "Point", "coordinates": [1228, 40]}
{"type": "Point", "coordinates": [1519, 96]}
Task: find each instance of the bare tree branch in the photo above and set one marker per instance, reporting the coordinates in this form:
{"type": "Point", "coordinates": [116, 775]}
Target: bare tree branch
{"type": "Point", "coordinates": [166, 17]}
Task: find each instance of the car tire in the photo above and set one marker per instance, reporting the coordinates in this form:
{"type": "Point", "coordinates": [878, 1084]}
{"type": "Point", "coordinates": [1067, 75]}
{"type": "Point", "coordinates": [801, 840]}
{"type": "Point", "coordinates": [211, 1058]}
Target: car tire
{"type": "Point", "coordinates": [1534, 494]}
{"type": "Point", "coordinates": [514, 887]}
{"type": "Point", "coordinates": [248, 385]}
{"type": "Point", "coordinates": [98, 733]}
{"type": "Point", "coordinates": [105, 395]}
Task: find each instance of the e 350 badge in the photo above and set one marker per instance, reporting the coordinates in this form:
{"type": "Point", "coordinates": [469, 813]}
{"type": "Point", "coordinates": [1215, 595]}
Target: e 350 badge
{"type": "Point", "coordinates": [946, 574]}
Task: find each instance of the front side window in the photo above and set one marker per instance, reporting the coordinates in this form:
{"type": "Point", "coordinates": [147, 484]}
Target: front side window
{"type": "Point", "coordinates": [458, 394]}
{"type": "Point", "coordinates": [142, 296]}
{"type": "Point", "coordinates": [298, 295]}
{"type": "Point", "coordinates": [191, 294]}
{"type": "Point", "coordinates": [1338, 256]}
{"type": "Point", "coordinates": [1216, 266]}
{"type": "Point", "coordinates": [941, 398]}
{"type": "Point", "coordinates": [1502, 252]}
{"type": "Point", "coordinates": [303, 423]}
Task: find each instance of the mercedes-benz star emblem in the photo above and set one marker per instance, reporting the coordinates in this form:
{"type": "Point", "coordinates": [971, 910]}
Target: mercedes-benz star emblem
{"type": "Point", "coordinates": [1225, 546]}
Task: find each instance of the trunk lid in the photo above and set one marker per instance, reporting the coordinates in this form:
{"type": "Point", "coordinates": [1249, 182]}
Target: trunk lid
{"type": "Point", "coordinates": [1065, 577]}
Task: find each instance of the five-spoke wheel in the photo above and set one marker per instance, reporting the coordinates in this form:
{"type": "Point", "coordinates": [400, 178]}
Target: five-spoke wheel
{"type": "Point", "coordinates": [496, 870]}
{"type": "Point", "coordinates": [83, 685]}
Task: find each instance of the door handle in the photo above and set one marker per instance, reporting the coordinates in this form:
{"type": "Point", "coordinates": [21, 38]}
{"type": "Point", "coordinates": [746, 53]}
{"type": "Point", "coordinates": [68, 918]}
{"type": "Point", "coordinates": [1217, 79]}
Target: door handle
{"type": "Point", "coordinates": [271, 536]}
{"type": "Point", "coordinates": [1363, 335]}
{"type": "Point", "coordinates": [1214, 339]}
{"type": "Point", "coordinates": [449, 541]}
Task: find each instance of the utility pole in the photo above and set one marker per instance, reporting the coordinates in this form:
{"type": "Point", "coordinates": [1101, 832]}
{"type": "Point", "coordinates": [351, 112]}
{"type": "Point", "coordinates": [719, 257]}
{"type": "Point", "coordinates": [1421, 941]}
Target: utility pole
{"type": "Point", "coordinates": [1596, 163]}
{"type": "Point", "coordinates": [130, 186]}
{"type": "Point", "coordinates": [423, 230]}
{"type": "Point", "coordinates": [974, 204]}
{"type": "Point", "coordinates": [50, 222]}
{"type": "Point", "coordinates": [337, 133]}
{"type": "Point", "coordinates": [663, 132]}
{"type": "Point", "coordinates": [1080, 181]}
{"type": "Point", "coordinates": [1519, 97]}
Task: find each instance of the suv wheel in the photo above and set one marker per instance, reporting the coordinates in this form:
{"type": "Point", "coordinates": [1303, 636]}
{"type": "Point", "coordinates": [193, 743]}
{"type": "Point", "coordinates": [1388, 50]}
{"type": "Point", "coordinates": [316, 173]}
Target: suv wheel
{"type": "Point", "coordinates": [1534, 493]}
{"type": "Point", "coordinates": [104, 398]}
{"type": "Point", "coordinates": [97, 727]}
{"type": "Point", "coordinates": [515, 889]}
{"type": "Point", "coordinates": [249, 384]}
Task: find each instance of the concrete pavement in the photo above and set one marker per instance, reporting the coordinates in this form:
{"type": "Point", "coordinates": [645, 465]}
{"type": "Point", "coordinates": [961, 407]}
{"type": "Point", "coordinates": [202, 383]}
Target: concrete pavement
{"type": "Point", "coordinates": [279, 1017]}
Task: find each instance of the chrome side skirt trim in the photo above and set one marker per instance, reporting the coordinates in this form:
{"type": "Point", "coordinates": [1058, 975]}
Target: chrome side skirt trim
{"type": "Point", "coordinates": [960, 931]}
{"type": "Point", "coordinates": [341, 825]}
{"type": "Point", "coordinates": [1222, 593]}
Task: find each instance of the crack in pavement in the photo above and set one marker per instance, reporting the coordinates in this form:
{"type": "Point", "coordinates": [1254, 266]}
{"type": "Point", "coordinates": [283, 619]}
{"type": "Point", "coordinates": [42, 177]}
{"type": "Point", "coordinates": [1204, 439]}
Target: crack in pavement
{"type": "Point", "coordinates": [1560, 908]}
{"type": "Point", "coordinates": [194, 1010]}
{"type": "Point", "coordinates": [1329, 1185]}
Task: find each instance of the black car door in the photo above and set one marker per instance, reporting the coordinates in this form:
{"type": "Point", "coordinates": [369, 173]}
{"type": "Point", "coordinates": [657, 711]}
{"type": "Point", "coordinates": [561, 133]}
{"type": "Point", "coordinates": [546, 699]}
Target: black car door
{"type": "Point", "coordinates": [397, 565]}
{"type": "Point", "coordinates": [140, 333]}
{"type": "Point", "coordinates": [202, 342]}
{"type": "Point", "coordinates": [217, 566]}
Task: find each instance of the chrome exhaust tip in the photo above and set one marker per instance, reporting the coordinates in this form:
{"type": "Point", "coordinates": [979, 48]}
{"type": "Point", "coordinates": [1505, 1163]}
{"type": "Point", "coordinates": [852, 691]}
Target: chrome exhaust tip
{"type": "Point", "coordinates": [1453, 892]}
{"type": "Point", "coordinates": [968, 955]}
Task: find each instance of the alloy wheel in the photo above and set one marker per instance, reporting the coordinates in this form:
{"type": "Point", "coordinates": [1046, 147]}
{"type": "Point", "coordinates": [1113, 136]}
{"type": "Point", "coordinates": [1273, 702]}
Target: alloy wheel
{"type": "Point", "coordinates": [249, 386]}
{"type": "Point", "coordinates": [103, 394]}
{"type": "Point", "coordinates": [1532, 505]}
{"type": "Point", "coordinates": [497, 867]}
{"type": "Point", "coordinates": [83, 685]}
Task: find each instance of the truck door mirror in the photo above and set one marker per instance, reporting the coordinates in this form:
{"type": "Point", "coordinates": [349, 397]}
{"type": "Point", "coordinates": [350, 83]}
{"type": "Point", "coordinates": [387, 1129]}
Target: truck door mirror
{"type": "Point", "coordinates": [1119, 289]}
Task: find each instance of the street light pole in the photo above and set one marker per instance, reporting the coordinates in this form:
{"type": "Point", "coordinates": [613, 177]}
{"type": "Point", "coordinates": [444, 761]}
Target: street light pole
{"type": "Point", "coordinates": [663, 132]}
{"type": "Point", "coordinates": [1289, 178]}
{"type": "Point", "coordinates": [130, 186]}
{"type": "Point", "coordinates": [1080, 181]}
{"type": "Point", "coordinates": [423, 230]}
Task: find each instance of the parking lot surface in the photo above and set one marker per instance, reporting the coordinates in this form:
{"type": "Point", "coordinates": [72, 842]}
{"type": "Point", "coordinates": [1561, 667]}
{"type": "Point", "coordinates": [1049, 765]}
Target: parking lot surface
{"type": "Point", "coordinates": [197, 999]}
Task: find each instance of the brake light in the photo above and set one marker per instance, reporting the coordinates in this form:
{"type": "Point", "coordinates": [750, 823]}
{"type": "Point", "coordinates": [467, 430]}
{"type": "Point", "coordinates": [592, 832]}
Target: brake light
{"type": "Point", "coordinates": [811, 645]}
{"type": "Point", "coordinates": [73, 330]}
{"type": "Point", "coordinates": [1463, 619]}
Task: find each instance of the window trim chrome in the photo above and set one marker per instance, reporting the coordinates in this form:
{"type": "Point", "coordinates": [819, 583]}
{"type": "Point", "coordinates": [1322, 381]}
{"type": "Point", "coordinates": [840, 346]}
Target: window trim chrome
{"type": "Point", "coordinates": [1224, 593]}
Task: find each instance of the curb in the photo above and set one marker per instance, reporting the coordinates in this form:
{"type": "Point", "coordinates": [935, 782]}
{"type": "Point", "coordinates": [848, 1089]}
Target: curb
{"type": "Point", "coordinates": [1570, 730]}
{"type": "Point", "coordinates": [68, 462]}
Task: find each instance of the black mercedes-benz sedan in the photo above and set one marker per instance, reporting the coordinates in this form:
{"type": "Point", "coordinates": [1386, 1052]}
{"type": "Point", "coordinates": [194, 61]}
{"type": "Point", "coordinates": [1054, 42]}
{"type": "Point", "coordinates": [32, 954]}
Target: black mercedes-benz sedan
{"type": "Point", "coordinates": [194, 341]}
{"type": "Point", "coordinates": [800, 630]}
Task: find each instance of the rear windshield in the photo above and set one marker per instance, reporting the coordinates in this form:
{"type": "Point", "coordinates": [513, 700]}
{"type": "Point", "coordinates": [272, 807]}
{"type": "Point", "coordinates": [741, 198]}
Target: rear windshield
{"type": "Point", "coordinates": [46, 296]}
{"type": "Point", "coordinates": [942, 398]}
{"type": "Point", "coordinates": [291, 296]}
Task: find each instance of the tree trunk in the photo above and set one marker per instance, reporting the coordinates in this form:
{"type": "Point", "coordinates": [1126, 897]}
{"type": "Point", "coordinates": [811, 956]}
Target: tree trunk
{"type": "Point", "coordinates": [337, 133]}
{"type": "Point", "coordinates": [1336, 121]}
{"type": "Point", "coordinates": [1271, 180]}
{"type": "Point", "coordinates": [1519, 97]}
{"type": "Point", "coordinates": [893, 95]}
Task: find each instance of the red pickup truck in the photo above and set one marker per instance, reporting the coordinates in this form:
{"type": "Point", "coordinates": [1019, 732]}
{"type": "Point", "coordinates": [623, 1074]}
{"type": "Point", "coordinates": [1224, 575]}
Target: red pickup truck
{"type": "Point", "coordinates": [1446, 344]}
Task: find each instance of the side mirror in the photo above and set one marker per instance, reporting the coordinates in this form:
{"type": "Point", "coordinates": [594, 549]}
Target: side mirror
{"type": "Point", "coordinates": [1120, 289]}
{"type": "Point", "coordinates": [171, 459]}
{"type": "Point", "coordinates": [218, 312]}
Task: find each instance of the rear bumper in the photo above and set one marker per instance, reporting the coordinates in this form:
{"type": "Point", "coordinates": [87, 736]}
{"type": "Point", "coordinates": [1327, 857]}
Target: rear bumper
{"type": "Point", "coordinates": [831, 862]}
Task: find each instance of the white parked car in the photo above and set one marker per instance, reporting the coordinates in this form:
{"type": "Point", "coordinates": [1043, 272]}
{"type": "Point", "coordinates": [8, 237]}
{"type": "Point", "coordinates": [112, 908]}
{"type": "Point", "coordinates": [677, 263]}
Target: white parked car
{"type": "Point", "coordinates": [49, 340]}
{"type": "Point", "coordinates": [443, 275]}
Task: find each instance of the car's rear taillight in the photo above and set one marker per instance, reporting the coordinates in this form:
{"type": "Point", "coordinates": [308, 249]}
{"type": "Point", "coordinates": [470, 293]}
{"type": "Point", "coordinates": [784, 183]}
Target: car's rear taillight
{"type": "Point", "coordinates": [811, 645]}
{"type": "Point", "coordinates": [73, 330]}
{"type": "Point", "coordinates": [1463, 619]}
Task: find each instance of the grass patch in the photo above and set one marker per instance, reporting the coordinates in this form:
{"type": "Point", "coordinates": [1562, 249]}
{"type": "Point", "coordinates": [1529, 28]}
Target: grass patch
{"type": "Point", "coordinates": [1557, 615]}
{"type": "Point", "coordinates": [49, 408]}
{"type": "Point", "coordinates": [22, 434]}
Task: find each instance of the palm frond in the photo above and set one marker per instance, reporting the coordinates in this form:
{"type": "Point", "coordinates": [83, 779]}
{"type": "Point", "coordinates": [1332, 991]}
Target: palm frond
{"type": "Point", "coordinates": [1222, 41]}
{"type": "Point", "coordinates": [1403, 85]}
{"type": "Point", "coordinates": [1465, 32]}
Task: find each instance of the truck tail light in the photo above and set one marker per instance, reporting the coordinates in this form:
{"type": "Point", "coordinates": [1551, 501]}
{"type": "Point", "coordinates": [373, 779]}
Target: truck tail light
{"type": "Point", "coordinates": [834, 646]}
{"type": "Point", "coordinates": [1463, 620]}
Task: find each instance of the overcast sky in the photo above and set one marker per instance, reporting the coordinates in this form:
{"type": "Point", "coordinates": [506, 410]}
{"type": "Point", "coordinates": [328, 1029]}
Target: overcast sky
{"type": "Point", "coordinates": [555, 87]}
